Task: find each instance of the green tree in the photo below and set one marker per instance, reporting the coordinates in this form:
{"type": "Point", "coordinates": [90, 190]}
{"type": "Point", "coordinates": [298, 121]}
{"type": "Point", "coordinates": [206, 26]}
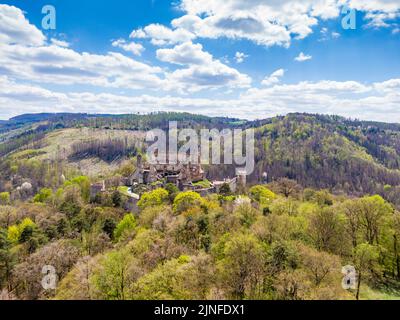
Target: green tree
{"type": "Point", "coordinates": [7, 259]}
{"type": "Point", "coordinates": [116, 198]}
{"type": "Point", "coordinates": [43, 195]}
{"type": "Point", "coordinates": [242, 268]}
{"type": "Point", "coordinates": [183, 278]}
{"type": "Point", "coordinates": [365, 256]}
{"type": "Point", "coordinates": [172, 191]}
{"type": "Point", "coordinates": [84, 184]}
{"type": "Point", "coordinates": [109, 227]}
{"type": "Point", "coordinates": [24, 229]}
{"type": "Point", "coordinates": [153, 198]}
{"type": "Point", "coordinates": [326, 228]}
{"type": "Point", "coordinates": [4, 198]}
{"type": "Point", "coordinates": [262, 195]}
{"type": "Point", "coordinates": [125, 227]}
{"type": "Point", "coordinates": [185, 200]}
{"type": "Point", "coordinates": [112, 277]}
{"type": "Point", "coordinates": [225, 190]}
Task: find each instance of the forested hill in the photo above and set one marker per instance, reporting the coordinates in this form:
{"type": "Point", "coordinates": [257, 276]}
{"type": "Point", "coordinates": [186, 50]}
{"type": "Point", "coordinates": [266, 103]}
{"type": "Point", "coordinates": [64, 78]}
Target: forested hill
{"type": "Point", "coordinates": [349, 156]}
{"type": "Point", "coordinates": [331, 152]}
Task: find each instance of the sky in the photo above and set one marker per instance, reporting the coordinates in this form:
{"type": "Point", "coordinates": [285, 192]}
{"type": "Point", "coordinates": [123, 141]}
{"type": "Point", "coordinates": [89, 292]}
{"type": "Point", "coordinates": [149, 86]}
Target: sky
{"type": "Point", "coordinates": [247, 59]}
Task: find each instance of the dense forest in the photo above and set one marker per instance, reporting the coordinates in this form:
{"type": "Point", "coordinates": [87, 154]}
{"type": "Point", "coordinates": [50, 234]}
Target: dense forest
{"type": "Point", "coordinates": [331, 199]}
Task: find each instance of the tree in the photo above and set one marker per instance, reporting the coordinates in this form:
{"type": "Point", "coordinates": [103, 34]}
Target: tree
{"type": "Point", "coordinates": [262, 195]}
{"type": "Point", "coordinates": [365, 256]}
{"type": "Point", "coordinates": [153, 198]}
{"type": "Point", "coordinates": [396, 244]}
{"type": "Point", "coordinates": [225, 190]}
{"type": "Point", "coordinates": [326, 227]}
{"type": "Point", "coordinates": [183, 278]}
{"type": "Point", "coordinates": [116, 198]}
{"type": "Point", "coordinates": [320, 265]}
{"type": "Point", "coordinates": [125, 227]}
{"type": "Point", "coordinates": [374, 214]}
{"type": "Point", "coordinates": [282, 255]}
{"type": "Point", "coordinates": [62, 255]}
{"type": "Point", "coordinates": [7, 259]}
{"type": "Point", "coordinates": [22, 231]}
{"type": "Point", "coordinates": [43, 195]}
{"type": "Point", "coordinates": [84, 185]}
{"type": "Point", "coordinates": [111, 277]}
{"type": "Point", "coordinates": [242, 267]}
{"type": "Point", "coordinates": [185, 200]}
{"type": "Point", "coordinates": [246, 214]}
{"type": "Point", "coordinates": [109, 227]}
{"type": "Point", "coordinates": [71, 201]}
{"type": "Point", "coordinates": [172, 191]}
{"type": "Point", "coordinates": [4, 198]}
{"type": "Point", "coordinates": [287, 187]}
{"type": "Point", "coordinates": [77, 284]}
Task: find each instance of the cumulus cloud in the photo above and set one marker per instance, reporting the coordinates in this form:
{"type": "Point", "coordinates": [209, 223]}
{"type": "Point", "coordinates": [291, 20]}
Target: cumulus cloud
{"type": "Point", "coordinates": [273, 78]}
{"type": "Point", "coordinates": [185, 54]}
{"type": "Point", "coordinates": [202, 72]}
{"type": "Point", "coordinates": [161, 35]}
{"type": "Point", "coordinates": [60, 43]}
{"type": "Point", "coordinates": [58, 65]}
{"type": "Point", "coordinates": [327, 35]}
{"type": "Point", "coordinates": [302, 57]}
{"type": "Point", "coordinates": [240, 57]}
{"type": "Point", "coordinates": [16, 29]}
{"type": "Point", "coordinates": [132, 47]}
{"type": "Point", "coordinates": [266, 23]}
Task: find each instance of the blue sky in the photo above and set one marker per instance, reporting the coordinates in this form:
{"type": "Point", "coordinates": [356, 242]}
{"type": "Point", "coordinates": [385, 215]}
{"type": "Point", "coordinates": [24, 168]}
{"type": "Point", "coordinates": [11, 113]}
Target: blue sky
{"type": "Point", "coordinates": [220, 57]}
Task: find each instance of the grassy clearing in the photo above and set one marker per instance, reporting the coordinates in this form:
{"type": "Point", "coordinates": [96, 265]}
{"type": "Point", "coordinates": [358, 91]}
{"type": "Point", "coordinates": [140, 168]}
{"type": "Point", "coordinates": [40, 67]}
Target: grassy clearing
{"type": "Point", "coordinates": [368, 293]}
{"type": "Point", "coordinates": [58, 145]}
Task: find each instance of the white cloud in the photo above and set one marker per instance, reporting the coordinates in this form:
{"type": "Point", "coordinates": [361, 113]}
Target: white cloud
{"type": "Point", "coordinates": [240, 57]}
{"type": "Point", "coordinates": [302, 57]}
{"type": "Point", "coordinates": [16, 29]}
{"type": "Point", "coordinates": [24, 55]}
{"type": "Point", "coordinates": [264, 22]}
{"type": "Point", "coordinates": [212, 76]}
{"type": "Point", "coordinates": [161, 35]}
{"type": "Point", "coordinates": [202, 72]}
{"type": "Point", "coordinates": [274, 78]}
{"type": "Point", "coordinates": [58, 65]}
{"type": "Point", "coordinates": [327, 35]}
{"type": "Point", "coordinates": [60, 43]}
{"type": "Point", "coordinates": [134, 48]}
{"type": "Point", "coordinates": [185, 54]}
